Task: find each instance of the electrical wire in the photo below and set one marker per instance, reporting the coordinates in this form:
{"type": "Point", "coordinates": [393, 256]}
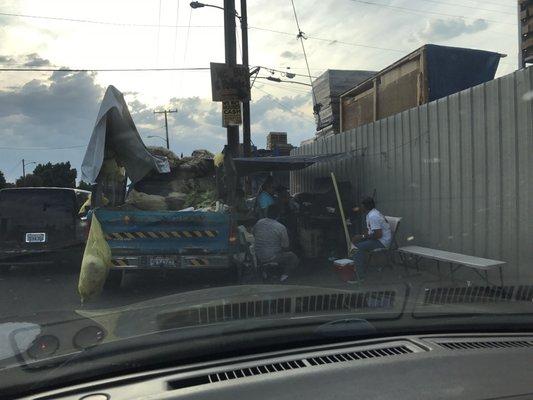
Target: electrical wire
{"type": "Point", "coordinates": [330, 41]}
{"type": "Point", "coordinates": [301, 36]}
{"type": "Point", "coordinates": [187, 37]}
{"type": "Point", "coordinates": [13, 168]}
{"type": "Point", "coordinates": [288, 71]}
{"type": "Point", "coordinates": [42, 148]}
{"type": "Point", "coordinates": [466, 6]}
{"type": "Point", "coordinates": [98, 22]}
{"type": "Point", "coordinates": [287, 88]}
{"type": "Point", "coordinates": [158, 35]}
{"type": "Point", "coordinates": [284, 106]}
{"type": "Point", "coordinates": [10, 69]}
{"type": "Point", "coordinates": [176, 31]}
{"type": "Point", "coordinates": [189, 26]}
{"type": "Point", "coordinates": [418, 12]}
{"type": "Point", "coordinates": [493, 3]}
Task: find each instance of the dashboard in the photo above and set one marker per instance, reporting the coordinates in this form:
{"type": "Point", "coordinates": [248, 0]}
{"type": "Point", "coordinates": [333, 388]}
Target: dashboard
{"type": "Point", "coordinates": [409, 367]}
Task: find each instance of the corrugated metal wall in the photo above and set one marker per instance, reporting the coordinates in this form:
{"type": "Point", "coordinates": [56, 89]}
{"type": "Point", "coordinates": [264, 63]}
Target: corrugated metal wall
{"type": "Point", "coordinates": [458, 170]}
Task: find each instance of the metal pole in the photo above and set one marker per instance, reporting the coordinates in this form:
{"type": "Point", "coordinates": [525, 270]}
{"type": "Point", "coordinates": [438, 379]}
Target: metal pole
{"type": "Point", "coordinates": [23, 169]}
{"type": "Point", "coordinates": [166, 130]}
{"type": "Point", "coordinates": [231, 59]}
{"type": "Point", "coordinates": [246, 130]}
{"type": "Point", "coordinates": [166, 112]}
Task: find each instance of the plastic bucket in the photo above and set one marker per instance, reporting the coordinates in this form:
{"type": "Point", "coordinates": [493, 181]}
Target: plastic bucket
{"type": "Point", "coordinates": [345, 271]}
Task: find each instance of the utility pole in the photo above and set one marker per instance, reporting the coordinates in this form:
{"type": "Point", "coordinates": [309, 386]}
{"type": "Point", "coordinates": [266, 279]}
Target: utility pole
{"type": "Point", "coordinates": [231, 59]}
{"type": "Point", "coordinates": [246, 130]}
{"type": "Point", "coordinates": [23, 169]}
{"type": "Point", "coordinates": [166, 122]}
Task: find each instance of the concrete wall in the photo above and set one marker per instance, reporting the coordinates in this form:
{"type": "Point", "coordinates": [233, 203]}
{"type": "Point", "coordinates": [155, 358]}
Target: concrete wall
{"type": "Point", "coordinates": [458, 170]}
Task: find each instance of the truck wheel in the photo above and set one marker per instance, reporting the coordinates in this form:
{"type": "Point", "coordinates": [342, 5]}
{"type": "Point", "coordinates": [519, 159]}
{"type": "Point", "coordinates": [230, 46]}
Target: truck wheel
{"type": "Point", "coordinates": [114, 280]}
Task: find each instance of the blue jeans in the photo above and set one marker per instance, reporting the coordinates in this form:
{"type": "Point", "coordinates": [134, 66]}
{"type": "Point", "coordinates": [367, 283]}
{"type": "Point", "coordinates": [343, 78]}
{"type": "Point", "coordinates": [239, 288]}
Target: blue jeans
{"type": "Point", "coordinates": [363, 248]}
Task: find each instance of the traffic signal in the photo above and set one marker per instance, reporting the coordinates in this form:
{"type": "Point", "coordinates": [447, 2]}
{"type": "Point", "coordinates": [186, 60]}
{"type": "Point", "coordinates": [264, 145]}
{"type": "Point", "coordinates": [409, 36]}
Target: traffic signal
{"type": "Point", "coordinates": [525, 9]}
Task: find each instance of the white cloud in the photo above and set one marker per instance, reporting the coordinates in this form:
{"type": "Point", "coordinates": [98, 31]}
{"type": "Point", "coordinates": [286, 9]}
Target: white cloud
{"type": "Point", "coordinates": [60, 111]}
{"type": "Point", "coordinates": [445, 29]}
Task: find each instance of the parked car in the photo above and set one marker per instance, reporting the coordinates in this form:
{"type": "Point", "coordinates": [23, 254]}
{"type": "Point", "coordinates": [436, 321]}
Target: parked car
{"type": "Point", "coordinates": [41, 226]}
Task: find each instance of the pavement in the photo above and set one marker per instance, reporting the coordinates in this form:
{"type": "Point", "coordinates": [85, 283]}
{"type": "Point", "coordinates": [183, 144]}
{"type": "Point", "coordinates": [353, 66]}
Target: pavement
{"type": "Point", "coordinates": [26, 290]}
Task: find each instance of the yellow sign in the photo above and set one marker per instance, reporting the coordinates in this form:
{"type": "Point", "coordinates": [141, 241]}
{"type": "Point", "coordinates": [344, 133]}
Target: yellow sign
{"type": "Point", "coordinates": [231, 113]}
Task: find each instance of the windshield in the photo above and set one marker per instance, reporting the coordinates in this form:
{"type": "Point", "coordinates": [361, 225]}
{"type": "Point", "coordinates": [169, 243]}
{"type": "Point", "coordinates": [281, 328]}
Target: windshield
{"type": "Point", "coordinates": [217, 169]}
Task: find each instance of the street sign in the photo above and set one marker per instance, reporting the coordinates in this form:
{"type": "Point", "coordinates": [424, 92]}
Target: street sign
{"type": "Point", "coordinates": [231, 113]}
{"type": "Point", "coordinates": [230, 82]}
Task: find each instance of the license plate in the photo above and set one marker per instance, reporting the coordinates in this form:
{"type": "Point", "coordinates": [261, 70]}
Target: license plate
{"type": "Point", "coordinates": [35, 237]}
{"type": "Point", "coordinates": [161, 261]}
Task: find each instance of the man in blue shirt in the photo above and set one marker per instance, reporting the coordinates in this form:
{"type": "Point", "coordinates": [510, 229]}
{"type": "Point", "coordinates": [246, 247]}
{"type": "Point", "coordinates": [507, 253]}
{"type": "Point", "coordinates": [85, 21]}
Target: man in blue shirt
{"type": "Point", "coordinates": [265, 198]}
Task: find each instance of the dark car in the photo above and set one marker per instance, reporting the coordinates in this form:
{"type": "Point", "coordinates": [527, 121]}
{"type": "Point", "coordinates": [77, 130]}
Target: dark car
{"type": "Point", "coordinates": [40, 226]}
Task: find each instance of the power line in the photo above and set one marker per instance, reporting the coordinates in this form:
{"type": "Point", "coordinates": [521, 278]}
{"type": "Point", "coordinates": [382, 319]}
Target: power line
{"type": "Point", "coordinates": [188, 27]}
{"type": "Point", "coordinates": [9, 69]}
{"type": "Point", "coordinates": [418, 12]}
{"type": "Point", "coordinates": [187, 37]}
{"type": "Point", "coordinates": [98, 22]}
{"type": "Point", "coordinates": [158, 34]}
{"type": "Point", "coordinates": [493, 3]}
{"type": "Point", "coordinates": [287, 88]}
{"type": "Point", "coordinates": [42, 148]}
{"type": "Point", "coordinates": [465, 6]}
{"type": "Point", "coordinates": [13, 168]}
{"type": "Point", "coordinates": [176, 31]}
{"type": "Point", "coordinates": [331, 41]}
{"type": "Point", "coordinates": [284, 106]}
{"type": "Point", "coordinates": [288, 71]}
{"type": "Point", "coordinates": [301, 36]}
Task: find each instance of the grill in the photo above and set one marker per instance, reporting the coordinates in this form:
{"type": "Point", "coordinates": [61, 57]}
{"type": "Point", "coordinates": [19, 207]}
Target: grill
{"type": "Point", "coordinates": [467, 295]}
{"type": "Point", "coordinates": [360, 355]}
{"type": "Point", "coordinates": [478, 345]}
{"type": "Point", "coordinates": [263, 369]}
{"type": "Point", "coordinates": [259, 370]}
{"type": "Point", "coordinates": [345, 301]}
{"type": "Point", "coordinates": [278, 306]}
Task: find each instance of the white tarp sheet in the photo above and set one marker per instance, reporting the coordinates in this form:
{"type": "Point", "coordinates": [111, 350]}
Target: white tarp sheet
{"type": "Point", "coordinates": [115, 136]}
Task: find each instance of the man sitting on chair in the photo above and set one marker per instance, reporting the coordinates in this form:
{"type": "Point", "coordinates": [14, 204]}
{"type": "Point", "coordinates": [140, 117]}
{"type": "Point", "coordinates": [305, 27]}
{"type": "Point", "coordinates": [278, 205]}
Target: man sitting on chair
{"type": "Point", "coordinates": [272, 242]}
{"type": "Point", "coordinates": [378, 234]}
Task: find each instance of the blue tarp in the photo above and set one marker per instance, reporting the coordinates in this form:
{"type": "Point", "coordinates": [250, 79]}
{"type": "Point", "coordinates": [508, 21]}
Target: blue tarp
{"type": "Point", "coordinates": [452, 69]}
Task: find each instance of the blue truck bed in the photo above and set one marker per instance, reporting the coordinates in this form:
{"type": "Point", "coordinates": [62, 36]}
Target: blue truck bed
{"type": "Point", "coordinates": [167, 239]}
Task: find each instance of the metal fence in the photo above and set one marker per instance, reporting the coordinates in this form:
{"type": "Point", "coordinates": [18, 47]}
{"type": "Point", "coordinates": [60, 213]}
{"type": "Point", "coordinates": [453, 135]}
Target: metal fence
{"type": "Point", "coordinates": [458, 170]}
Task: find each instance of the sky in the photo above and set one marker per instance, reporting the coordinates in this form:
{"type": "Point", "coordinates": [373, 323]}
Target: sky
{"type": "Point", "coordinates": [49, 116]}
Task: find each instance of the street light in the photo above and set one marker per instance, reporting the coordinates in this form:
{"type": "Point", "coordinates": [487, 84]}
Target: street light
{"type": "Point", "coordinates": [197, 4]}
{"type": "Point", "coordinates": [24, 164]}
{"type": "Point", "coordinates": [246, 130]}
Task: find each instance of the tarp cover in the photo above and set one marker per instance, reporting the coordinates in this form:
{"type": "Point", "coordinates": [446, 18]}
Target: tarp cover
{"type": "Point", "coordinates": [452, 69]}
{"type": "Point", "coordinates": [252, 165]}
{"type": "Point", "coordinates": [115, 136]}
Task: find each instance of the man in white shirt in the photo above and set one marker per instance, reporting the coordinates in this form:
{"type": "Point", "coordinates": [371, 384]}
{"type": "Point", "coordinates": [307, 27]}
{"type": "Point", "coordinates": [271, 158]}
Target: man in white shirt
{"type": "Point", "coordinates": [378, 234]}
{"type": "Point", "coordinates": [272, 242]}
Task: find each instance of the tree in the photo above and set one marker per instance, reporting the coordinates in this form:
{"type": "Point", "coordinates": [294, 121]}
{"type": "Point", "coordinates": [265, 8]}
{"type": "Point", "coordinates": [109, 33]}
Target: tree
{"type": "Point", "coordinates": [56, 175]}
{"type": "Point", "coordinates": [30, 180]}
{"type": "Point", "coordinates": [84, 186]}
{"type": "Point", "coordinates": [3, 182]}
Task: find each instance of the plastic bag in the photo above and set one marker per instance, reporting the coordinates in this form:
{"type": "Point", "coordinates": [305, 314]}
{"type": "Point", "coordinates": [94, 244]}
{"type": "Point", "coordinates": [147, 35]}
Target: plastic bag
{"type": "Point", "coordinates": [95, 263]}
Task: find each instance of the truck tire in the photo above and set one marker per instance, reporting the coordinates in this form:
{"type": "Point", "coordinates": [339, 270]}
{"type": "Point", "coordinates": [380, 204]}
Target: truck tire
{"type": "Point", "coordinates": [114, 280]}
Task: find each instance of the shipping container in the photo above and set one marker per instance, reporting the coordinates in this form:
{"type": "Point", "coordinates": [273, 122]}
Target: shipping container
{"type": "Point", "coordinates": [327, 89]}
{"type": "Point", "coordinates": [429, 73]}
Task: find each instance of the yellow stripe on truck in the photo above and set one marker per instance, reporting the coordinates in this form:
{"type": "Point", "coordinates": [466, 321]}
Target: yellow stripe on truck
{"type": "Point", "coordinates": [161, 235]}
